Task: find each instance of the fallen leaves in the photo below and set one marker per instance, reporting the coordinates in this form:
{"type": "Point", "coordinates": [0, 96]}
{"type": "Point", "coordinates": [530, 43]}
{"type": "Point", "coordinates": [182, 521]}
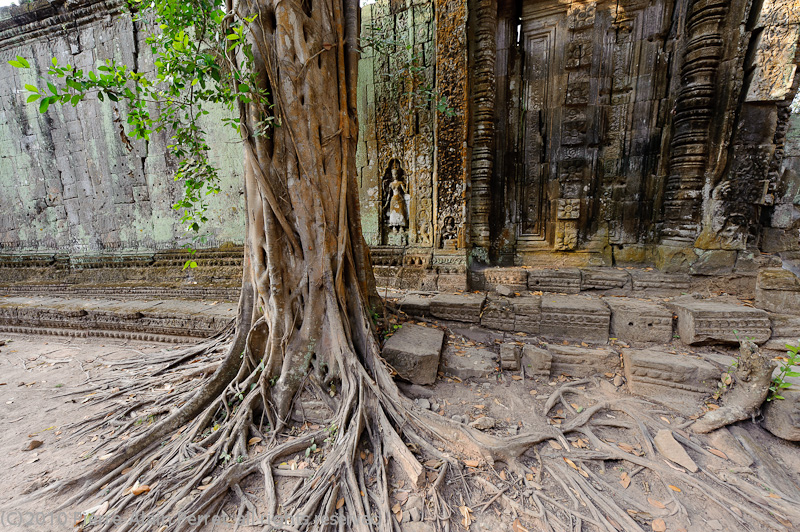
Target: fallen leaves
{"type": "Point", "coordinates": [472, 463]}
{"type": "Point", "coordinates": [139, 490]}
{"type": "Point", "coordinates": [674, 488]}
{"type": "Point", "coordinates": [717, 452]}
{"type": "Point", "coordinates": [33, 444]}
{"type": "Point", "coordinates": [656, 504]}
{"type": "Point", "coordinates": [466, 512]}
{"type": "Point", "coordinates": [625, 480]}
{"type": "Point", "coordinates": [517, 527]}
{"type": "Point", "coordinates": [659, 525]}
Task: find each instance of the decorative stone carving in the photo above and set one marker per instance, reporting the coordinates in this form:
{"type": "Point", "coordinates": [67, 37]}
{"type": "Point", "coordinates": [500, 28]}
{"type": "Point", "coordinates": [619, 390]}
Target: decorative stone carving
{"type": "Point", "coordinates": [675, 380]}
{"type": "Point", "coordinates": [498, 314]}
{"type": "Point", "coordinates": [458, 307]}
{"type": "Point", "coordinates": [514, 278]}
{"type": "Point", "coordinates": [569, 209]}
{"type": "Point", "coordinates": [565, 280]}
{"type": "Point", "coordinates": [704, 321]}
{"type": "Point", "coordinates": [581, 361]}
{"type": "Point", "coordinates": [575, 317]}
{"type": "Point", "coordinates": [566, 235]}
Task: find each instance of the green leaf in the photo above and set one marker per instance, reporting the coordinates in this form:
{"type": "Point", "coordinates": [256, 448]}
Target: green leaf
{"type": "Point", "coordinates": [54, 61]}
{"type": "Point", "coordinates": [44, 105]}
{"type": "Point", "coordinates": [243, 87]}
{"type": "Point", "coordinates": [23, 62]}
{"type": "Point", "coordinates": [52, 88]}
{"type": "Point", "coordinates": [77, 98]}
{"type": "Point", "coordinates": [31, 88]}
{"type": "Point", "coordinates": [15, 64]}
{"type": "Point", "coordinates": [33, 97]}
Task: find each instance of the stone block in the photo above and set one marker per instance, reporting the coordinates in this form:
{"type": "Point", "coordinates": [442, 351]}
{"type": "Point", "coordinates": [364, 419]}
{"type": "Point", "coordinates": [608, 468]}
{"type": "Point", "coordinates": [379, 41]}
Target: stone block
{"type": "Point", "coordinates": [669, 378]}
{"type": "Point", "coordinates": [714, 262]}
{"type": "Point", "coordinates": [537, 360]}
{"type": "Point", "coordinates": [563, 280]}
{"type": "Point", "coordinates": [657, 283]}
{"type": "Point", "coordinates": [514, 278]}
{"type": "Point", "coordinates": [706, 321]}
{"type": "Point", "coordinates": [415, 305]}
{"type": "Point", "coordinates": [778, 290]}
{"type": "Point", "coordinates": [413, 351]}
{"type": "Point", "coordinates": [469, 363]}
{"type": "Point", "coordinates": [581, 361]}
{"type": "Point", "coordinates": [608, 280]}
{"type": "Point", "coordinates": [633, 320]}
{"type": "Point", "coordinates": [451, 282]}
{"type": "Point", "coordinates": [782, 417]}
{"type": "Point", "coordinates": [498, 314]}
{"type": "Point", "coordinates": [785, 330]}
{"type": "Point", "coordinates": [527, 314]}
{"type": "Point", "coordinates": [458, 307]}
{"type": "Point", "coordinates": [510, 356]}
{"type": "Point", "coordinates": [574, 317]}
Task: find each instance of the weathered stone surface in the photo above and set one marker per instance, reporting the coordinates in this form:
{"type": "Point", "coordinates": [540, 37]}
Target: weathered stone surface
{"type": "Point", "coordinates": [527, 314]}
{"type": "Point", "coordinates": [312, 411]}
{"type": "Point", "coordinates": [413, 351]}
{"type": "Point", "coordinates": [575, 317]}
{"type": "Point", "coordinates": [415, 304]}
{"type": "Point", "coordinates": [515, 279]}
{"type": "Point", "coordinates": [606, 280]}
{"type": "Point", "coordinates": [581, 361]}
{"type": "Point", "coordinates": [778, 290]}
{"type": "Point", "coordinates": [782, 417]}
{"type": "Point", "coordinates": [537, 361]}
{"type": "Point", "coordinates": [668, 378]}
{"type": "Point", "coordinates": [707, 321]}
{"type": "Point", "coordinates": [471, 363]}
{"type": "Point", "coordinates": [667, 445]}
{"type": "Point", "coordinates": [498, 314]}
{"type": "Point", "coordinates": [714, 262]}
{"type": "Point", "coordinates": [785, 330]}
{"type": "Point", "coordinates": [657, 283]}
{"type": "Point", "coordinates": [564, 280]}
{"type": "Point", "coordinates": [458, 307]}
{"type": "Point", "coordinates": [510, 354]}
{"type": "Point", "coordinates": [633, 320]}
{"type": "Point", "coordinates": [504, 290]}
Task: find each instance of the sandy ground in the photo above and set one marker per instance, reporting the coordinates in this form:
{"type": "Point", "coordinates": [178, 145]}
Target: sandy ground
{"type": "Point", "coordinates": [38, 374]}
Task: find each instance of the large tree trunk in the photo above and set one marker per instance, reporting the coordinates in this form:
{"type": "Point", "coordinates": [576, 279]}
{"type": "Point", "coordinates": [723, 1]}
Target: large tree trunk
{"type": "Point", "coordinates": [309, 263]}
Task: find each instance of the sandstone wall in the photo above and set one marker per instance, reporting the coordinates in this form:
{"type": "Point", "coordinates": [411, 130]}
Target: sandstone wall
{"type": "Point", "coordinates": [68, 182]}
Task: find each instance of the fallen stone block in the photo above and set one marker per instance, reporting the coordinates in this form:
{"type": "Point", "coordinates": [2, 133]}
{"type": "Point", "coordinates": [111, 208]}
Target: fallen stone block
{"type": "Point", "coordinates": [413, 351]}
{"type": "Point", "coordinates": [415, 305]}
{"type": "Point", "coordinates": [527, 314]}
{"type": "Point", "coordinates": [778, 290]}
{"type": "Point", "coordinates": [674, 451]}
{"type": "Point", "coordinates": [785, 330]}
{"type": "Point", "coordinates": [639, 321]}
{"type": "Point", "coordinates": [573, 317]}
{"type": "Point", "coordinates": [562, 280]}
{"type": "Point", "coordinates": [498, 314]}
{"type": "Point", "coordinates": [722, 440]}
{"type": "Point", "coordinates": [657, 283]}
{"type": "Point", "coordinates": [608, 280]}
{"type": "Point", "coordinates": [705, 321]}
{"type": "Point", "coordinates": [510, 356]}
{"type": "Point", "coordinates": [514, 278]}
{"type": "Point", "coordinates": [782, 417]}
{"type": "Point", "coordinates": [469, 363]}
{"type": "Point", "coordinates": [676, 380]}
{"type": "Point", "coordinates": [537, 360]}
{"type": "Point", "coordinates": [484, 423]}
{"type": "Point", "coordinates": [458, 307]}
{"type": "Point", "coordinates": [581, 361]}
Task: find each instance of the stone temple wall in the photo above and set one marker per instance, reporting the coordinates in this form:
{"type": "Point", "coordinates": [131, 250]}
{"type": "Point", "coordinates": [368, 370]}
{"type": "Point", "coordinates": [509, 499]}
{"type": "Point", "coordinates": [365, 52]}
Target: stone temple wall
{"type": "Point", "coordinates": [69, 182]}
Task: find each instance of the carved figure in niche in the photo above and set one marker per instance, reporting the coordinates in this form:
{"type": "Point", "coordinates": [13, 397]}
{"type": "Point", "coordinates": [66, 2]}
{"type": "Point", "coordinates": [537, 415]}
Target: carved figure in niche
{"type": "Point", "coordinates": [396, 193]}
{"type": "Point", "coordinates": [449, 234]}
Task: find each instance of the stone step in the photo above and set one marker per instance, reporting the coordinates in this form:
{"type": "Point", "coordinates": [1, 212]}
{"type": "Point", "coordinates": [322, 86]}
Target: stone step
{"type": "Point", "coordinates": [157, 320]}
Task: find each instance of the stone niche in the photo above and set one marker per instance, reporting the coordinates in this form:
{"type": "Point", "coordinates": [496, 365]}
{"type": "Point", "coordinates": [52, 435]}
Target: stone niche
{"type": "Point", "coordinates": [412, 162]}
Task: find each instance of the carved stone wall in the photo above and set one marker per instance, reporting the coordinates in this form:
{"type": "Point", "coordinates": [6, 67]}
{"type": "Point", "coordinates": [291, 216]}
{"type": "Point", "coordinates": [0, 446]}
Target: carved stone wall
{"type": "Point", "coordinates": [69, 182]}
{"type": "Point", "coordinates": [412, 158]}
{"type": "Point", "coordinates": [635, 131]}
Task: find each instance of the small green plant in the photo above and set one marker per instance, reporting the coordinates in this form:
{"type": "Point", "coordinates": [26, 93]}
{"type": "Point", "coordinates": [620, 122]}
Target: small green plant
{"type": "Point", "coordinates": [332, 430]}
{"type": "Point", "coordinates": [786, 369]}
{"type": "Point", "coordinates": [59, 385]}
{"type": "Point", "coordinates": [311, 448]}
